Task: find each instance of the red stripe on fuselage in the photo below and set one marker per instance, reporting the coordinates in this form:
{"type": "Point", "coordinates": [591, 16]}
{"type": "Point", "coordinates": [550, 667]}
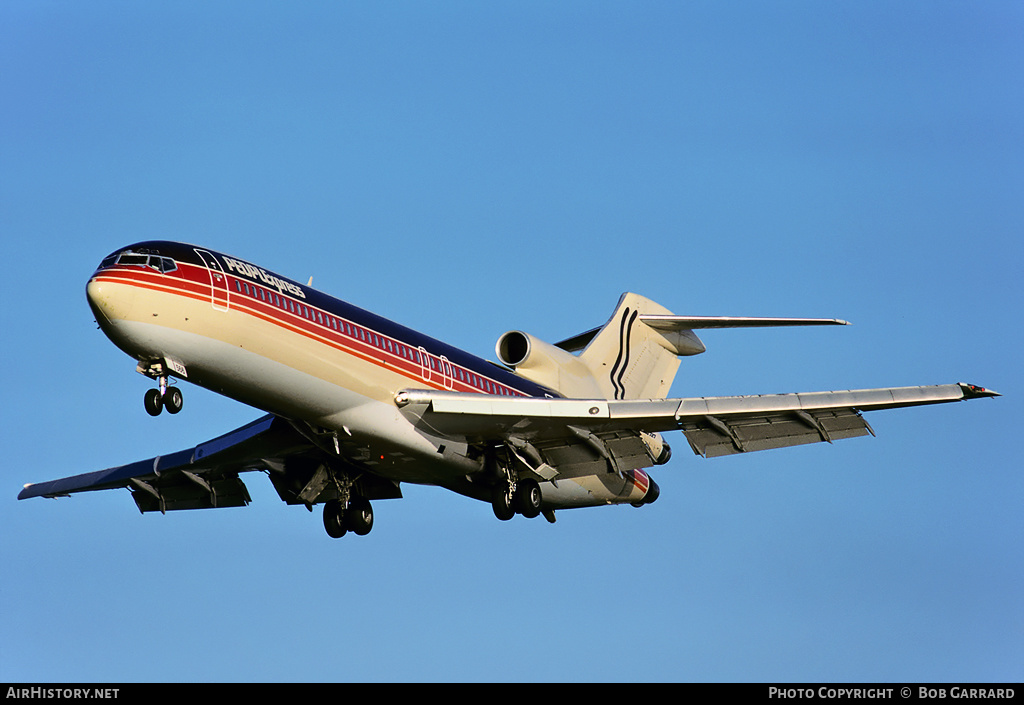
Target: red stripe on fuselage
{"type": "Point", "coordinates": [193, 282]}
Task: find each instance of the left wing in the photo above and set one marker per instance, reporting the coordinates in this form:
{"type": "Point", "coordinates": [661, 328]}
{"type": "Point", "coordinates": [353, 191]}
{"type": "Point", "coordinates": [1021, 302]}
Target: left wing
{"type": "Point", "coordinates": [207, 475]}
{"type": "Point", "coordinates": [713, 425]}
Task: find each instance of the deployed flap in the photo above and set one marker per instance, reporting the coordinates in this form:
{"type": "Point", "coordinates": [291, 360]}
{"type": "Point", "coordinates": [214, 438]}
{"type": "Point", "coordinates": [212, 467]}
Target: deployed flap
{"type": "Point", "coordinates": [712, 436]}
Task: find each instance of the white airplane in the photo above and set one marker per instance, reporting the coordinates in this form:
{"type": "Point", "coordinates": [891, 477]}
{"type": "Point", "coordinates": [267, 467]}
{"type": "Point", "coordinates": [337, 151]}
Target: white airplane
{"type": "Point", "coordinates": [356, 405]}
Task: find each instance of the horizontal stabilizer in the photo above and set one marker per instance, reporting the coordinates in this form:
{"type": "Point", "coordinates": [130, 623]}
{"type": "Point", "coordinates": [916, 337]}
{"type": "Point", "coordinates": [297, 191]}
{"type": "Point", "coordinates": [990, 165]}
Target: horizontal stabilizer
{"type": "Point", "coordinates": [669, 322]}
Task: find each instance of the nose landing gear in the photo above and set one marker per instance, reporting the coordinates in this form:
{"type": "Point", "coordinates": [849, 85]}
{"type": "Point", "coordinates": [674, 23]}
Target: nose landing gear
{"type": "Point", "coordinates": [164, 397]}
{"type": "Point", "coordinates": [156, 402]}
{"type": "Point", "coordinates": [170, 399]}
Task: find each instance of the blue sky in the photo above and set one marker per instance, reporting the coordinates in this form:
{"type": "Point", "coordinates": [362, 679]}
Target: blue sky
{"type": "Point", "coordinates": [471, 168]}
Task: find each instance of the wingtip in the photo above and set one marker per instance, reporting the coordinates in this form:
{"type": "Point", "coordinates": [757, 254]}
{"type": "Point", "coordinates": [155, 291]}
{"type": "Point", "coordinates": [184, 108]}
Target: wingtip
{"type": "Point", "coordinates": [973, 391]}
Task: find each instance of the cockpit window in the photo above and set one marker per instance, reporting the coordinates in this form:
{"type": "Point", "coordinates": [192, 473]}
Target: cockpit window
{"type": "Point", "coordinates": [165, 265]}
{"type": "Point", "coordinates": [138, 259]}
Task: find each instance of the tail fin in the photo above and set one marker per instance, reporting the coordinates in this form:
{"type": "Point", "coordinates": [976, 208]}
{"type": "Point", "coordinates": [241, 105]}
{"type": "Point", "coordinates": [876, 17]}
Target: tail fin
{"type": "Point", "coordinates": [633, 360]}
{"type": "Point", "coordinates": [636, 354]}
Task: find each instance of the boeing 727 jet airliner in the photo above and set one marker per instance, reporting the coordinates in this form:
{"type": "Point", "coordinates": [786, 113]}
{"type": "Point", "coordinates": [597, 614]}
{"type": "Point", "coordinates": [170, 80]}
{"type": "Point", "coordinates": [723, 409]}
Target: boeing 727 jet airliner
{"type": "Point", "coordinates": [356, 405]}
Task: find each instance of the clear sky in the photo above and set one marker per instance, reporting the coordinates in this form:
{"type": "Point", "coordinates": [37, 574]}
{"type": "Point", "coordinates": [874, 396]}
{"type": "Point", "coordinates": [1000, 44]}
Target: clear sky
{"type": "Point", "coordinates": [469, 168]}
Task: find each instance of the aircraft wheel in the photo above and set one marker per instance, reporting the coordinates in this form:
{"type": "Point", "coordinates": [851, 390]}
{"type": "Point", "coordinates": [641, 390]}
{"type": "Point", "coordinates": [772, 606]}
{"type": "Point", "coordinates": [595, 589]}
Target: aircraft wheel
{"type": "Point", "coordinates": [501, 500]}
{"type": "Point", "coordinates": [359, 516]}
{"type": "Point", "coordinates": [334, 519]}
{"type": "Point", "coordinates": [528, 498]}
{"type": "Point", "coordinates": [173, 400]}
{"type": "Point", "coordinates": [154, 403]}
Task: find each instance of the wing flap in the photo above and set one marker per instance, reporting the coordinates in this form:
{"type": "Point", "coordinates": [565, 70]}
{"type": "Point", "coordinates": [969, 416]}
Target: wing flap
{"type": "Point", "coordinates": [712, 437]}
{"type": "Point", "coordinates": [191, 493]}
{"type": "Point", "coordinates": [619, 451]}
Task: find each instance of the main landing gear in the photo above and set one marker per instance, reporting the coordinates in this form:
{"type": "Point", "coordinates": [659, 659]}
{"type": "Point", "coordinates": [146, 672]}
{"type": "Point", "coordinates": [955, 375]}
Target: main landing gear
{"type": "Point", "coordinates": [357, 517]}
{"type": "Point", "coordinates": [510, 497]}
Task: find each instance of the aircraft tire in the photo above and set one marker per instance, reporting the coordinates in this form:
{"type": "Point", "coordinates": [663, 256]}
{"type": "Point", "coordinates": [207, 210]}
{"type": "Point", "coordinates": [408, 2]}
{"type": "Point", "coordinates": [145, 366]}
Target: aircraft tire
{"type": "Point", "coordinates": [173, 400]}
{"type": "Point", "coordinates": [502, 501]}
{"type": "Point", "coordinates": [154, 403]}
{"type": "Point", "coordinates": [528, 498]}
{"type": "Point", "coordinates": [334, 519]}
{"type": "Point", "coordinates": [359, 516]}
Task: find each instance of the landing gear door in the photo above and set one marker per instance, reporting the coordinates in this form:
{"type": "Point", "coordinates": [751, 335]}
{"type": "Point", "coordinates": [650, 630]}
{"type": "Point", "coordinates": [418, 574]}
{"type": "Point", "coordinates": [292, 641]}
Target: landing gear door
{"type": "Point", "coordinates": [218, 280]}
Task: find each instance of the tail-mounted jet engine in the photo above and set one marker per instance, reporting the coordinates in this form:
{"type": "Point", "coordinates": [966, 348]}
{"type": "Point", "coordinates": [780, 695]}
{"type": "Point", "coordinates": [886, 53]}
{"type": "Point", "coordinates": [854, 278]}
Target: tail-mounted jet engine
{"type": "Point", "coordinates": [546, 364]}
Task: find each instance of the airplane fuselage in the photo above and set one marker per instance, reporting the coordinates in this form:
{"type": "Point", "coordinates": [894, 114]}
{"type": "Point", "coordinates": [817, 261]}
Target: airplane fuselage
{"type": "Point", "coordinates": [288, 349]}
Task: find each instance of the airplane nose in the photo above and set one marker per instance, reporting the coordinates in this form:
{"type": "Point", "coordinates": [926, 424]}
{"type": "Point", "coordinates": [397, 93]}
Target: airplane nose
{"type": "Point", "coordinates": [94, 294]}
{"type": "Point", "coordinates": [106, 307]}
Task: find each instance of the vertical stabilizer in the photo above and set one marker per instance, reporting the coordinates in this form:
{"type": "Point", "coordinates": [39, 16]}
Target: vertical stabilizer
{"type": "Point", "coordinates": [632, 360]}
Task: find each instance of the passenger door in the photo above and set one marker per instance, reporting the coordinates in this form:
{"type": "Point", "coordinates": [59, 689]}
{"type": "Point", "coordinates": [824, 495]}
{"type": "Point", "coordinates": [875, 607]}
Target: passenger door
{"type": "Point", "coordinates": [218, 280]}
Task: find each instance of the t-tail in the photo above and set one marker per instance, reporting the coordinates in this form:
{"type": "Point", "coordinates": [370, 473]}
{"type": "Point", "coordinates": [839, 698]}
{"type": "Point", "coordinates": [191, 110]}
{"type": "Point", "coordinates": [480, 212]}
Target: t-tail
{"type": "Point", "coordinates": [635, 355]}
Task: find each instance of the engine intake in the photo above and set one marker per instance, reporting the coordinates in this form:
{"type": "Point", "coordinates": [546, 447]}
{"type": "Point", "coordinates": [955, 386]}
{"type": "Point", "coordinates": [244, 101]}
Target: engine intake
{"type": "Point", "coordinates": [513, 348]}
